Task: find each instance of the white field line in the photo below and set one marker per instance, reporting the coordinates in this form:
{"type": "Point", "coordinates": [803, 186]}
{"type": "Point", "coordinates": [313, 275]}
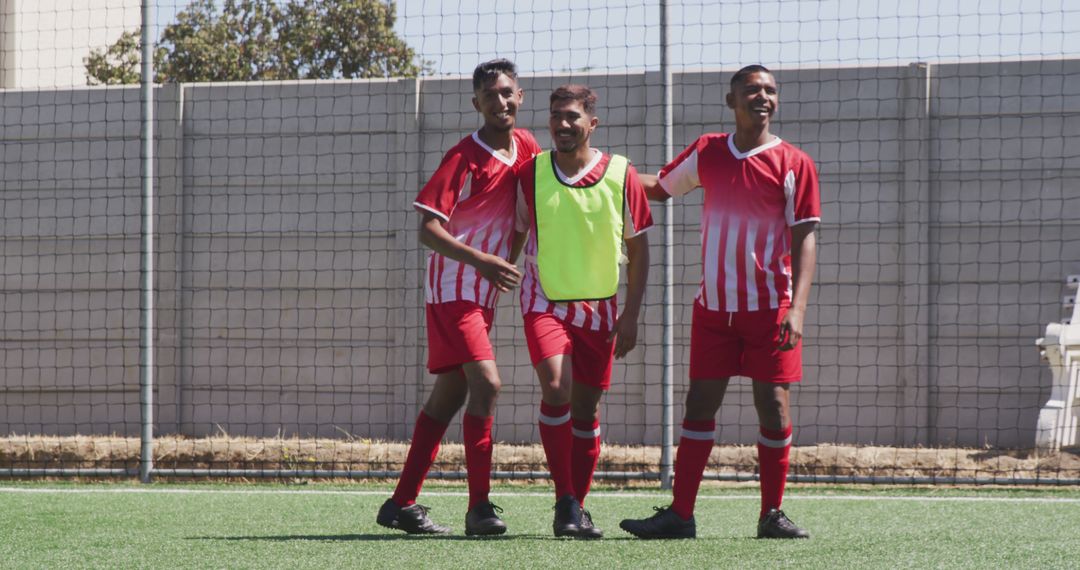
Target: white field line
{"type": "Point", "coordinates": [595, 495]}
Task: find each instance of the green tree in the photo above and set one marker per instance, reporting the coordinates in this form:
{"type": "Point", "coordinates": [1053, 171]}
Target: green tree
{"type": "Point", "coordinates": [253, 40]}
{"type": "Point", "coordinates": [117, 65]}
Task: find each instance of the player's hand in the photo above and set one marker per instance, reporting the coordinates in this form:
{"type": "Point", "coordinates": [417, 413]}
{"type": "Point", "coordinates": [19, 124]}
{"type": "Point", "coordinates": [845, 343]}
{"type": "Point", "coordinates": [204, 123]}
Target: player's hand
{"type": "Point", "coordinates": [790, 330]}
{"type": "Point", "coordinates": [503, 274]}
{"type": "Point", "coordinates": [624, 334]}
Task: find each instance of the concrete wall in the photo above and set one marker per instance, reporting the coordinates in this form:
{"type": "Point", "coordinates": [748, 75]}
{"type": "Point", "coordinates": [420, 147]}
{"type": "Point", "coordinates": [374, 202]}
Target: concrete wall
{"type": "Point", "coordinates": [289, 275]}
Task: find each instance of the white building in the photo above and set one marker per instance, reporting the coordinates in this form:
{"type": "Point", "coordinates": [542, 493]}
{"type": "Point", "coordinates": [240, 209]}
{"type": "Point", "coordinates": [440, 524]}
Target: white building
{"type": "Point", "coordinates": [43, 42]}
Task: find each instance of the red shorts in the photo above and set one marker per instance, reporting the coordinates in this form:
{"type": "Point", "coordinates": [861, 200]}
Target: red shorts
{"type": "Point", "coordinates": [457, 334]}
{"type": "Point", "coordinates": [741, 344]}
{"type": "Point", "coordinates": [591, 353]}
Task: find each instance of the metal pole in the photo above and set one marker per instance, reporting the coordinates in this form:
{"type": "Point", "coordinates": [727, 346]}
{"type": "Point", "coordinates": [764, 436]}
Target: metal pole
{"type": "Point", "coordinates": [146, 334]}
{"type": "Point", "coordinates": [668, 379]}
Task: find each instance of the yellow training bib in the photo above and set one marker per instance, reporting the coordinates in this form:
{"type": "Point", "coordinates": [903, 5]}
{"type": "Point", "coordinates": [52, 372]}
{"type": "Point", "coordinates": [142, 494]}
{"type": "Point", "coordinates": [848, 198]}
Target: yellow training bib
{"type": "Point", "coordinates": [579, 232]}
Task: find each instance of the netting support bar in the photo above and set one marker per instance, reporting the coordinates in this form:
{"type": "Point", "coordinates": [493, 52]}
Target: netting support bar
{"type": "Point", "coordinates": [68, 472]}
{"type": "Point", "coordinates": [668, 378]}
{"type": "Point", "coordinates": [599, 476]}
{"type": "Point", "coordinates": [916, 261]}
{"type": "Point", "coordinates": [146, 304]}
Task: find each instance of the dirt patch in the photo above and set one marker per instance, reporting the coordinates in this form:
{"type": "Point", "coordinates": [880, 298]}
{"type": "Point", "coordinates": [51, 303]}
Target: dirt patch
{"type": "Point", "coordinates": [37, 452]}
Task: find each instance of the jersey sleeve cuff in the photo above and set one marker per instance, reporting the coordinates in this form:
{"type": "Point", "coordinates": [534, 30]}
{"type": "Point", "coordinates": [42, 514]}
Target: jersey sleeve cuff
{"type": "Point", "coordinates": [641, 231]}
{"type": "Point", "coordinates": [431, 211]}
{"type": "Point", "coordinates": [664, 187]}
{"type": "Point", "coordinates": [806, 220]}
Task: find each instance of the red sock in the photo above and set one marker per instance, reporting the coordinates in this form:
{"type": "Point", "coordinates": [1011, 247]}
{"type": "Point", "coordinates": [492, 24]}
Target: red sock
{"type": "Point", "coordinates": [556, 435]}
{"type": "Point", "coordinates": [690, 460]}
{"type": "Point", "coordinates": [586, 450]}
{"type": "Point", "coordinates": [425, 445]}
{"type": "Point", "coordinates": [773, 448]}
{"type": "Point", "coordinates": [477, 436]}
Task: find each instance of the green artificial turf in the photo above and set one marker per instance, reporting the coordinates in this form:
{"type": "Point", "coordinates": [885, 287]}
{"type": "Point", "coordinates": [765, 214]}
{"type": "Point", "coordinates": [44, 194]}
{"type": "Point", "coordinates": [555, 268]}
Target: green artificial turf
{"type": "Point", "coordinates": [333, 526]}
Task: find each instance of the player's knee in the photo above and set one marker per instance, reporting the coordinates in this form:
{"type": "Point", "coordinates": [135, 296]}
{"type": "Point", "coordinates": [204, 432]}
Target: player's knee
{"type": "Point", "coordinates": [772, 414]}
{"type": "Point", "coordinates": [585, 410]}
{"type": "Point", "coordinates": [486, 393]}
{"type": "Point", "coordinates": [483, 379]}
{"type": "Point", "coordinates": [555, 383]}
{"type": "Point", "coordinates": [488, 384]}
{"type": "Point", "coordinates": [703, 400]}
{"type": "Point", "coordinates": [700, 410]}
{"type": "Point", "coordinates": [555, 391]}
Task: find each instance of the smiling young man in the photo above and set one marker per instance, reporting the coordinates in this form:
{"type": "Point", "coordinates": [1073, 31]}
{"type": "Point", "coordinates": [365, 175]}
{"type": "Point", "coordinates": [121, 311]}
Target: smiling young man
{"type": "Point", "coordinates": [762, 206]}
{"type": "Point", "coordinates": [578, 207]}
{"type": "Point", "coordinates": [467, 220]}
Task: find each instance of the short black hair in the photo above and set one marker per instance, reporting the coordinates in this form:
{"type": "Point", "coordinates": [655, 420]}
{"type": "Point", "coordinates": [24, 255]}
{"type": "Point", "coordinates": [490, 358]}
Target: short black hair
{"type": "Point", "coordinates": [742, 73]}
{"type": "Point", "coordinates": [490, 70]}
{"type": "Point", "coordinates": [573, 92]}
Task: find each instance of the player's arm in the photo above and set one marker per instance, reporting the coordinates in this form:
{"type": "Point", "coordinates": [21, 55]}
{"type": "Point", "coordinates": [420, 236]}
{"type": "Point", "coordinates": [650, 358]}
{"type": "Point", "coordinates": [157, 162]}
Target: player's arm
{"type": "Point", "coordinates": [653, 189]}
{"type": "Point", "coordinates": [680, 176]}
{"type": "Point", "coordinates": [517, 245]}
{"type": "Point", "coordinates": [803, 260]}
{"type": "Point", "coordinates": [637, 273]}
{"type": "Point", "coordinates": [521, 222]}
{"type": "Point", "coordinates": [500, 272]}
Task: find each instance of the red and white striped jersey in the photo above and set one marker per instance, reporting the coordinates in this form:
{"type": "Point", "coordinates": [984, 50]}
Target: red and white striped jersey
{"type": "Point", "coordinates": [751, 201]}
{"type": "Point", "coordinates": [473, 193]}
{"type": "Point", "coordinates": [637, 218]}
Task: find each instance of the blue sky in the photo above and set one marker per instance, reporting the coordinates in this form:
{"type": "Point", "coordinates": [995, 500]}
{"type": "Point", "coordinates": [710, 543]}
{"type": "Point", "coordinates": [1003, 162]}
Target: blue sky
{"type": "Point", "coordinates": [559, 35]}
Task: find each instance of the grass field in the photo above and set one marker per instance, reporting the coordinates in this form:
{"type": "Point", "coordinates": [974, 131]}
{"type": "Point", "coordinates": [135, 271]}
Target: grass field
{"type": "Point", "coordinates": [71, 525]}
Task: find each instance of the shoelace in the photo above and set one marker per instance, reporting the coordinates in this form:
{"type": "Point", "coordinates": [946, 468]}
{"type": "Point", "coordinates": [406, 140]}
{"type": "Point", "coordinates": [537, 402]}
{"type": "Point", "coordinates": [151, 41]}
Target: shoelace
{"type": "Point", "coordinates": [782, 521]}
{"type": "Point", "coordinates": [660, 510]}
{"type": "Point", "coordinates": [495, 507]}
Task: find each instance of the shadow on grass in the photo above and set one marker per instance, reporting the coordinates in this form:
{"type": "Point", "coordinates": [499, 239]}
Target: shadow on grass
{"type": "Point", "coordinates": [409, 537]}
{"type": "Point", "coordinates": [342, 537]}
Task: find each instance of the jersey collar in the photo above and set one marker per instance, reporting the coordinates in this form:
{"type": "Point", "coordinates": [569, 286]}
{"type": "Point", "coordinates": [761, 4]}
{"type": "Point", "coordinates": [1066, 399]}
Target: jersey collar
{"type": "Point", "coordinates": [507, 161]}
{"type": "Point", "coordinates": [741, 155]}
{"type": "Point", "coordinates": [572, 180]}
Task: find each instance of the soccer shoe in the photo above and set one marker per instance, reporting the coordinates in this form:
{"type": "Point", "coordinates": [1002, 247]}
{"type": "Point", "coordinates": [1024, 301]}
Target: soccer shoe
{"type": "Point", "coordinates": [567, 517]}
{"type": "Point", "coordinates": [412, 519]}
{"type": "Point", "coordinates": [664, 524]}
{"type": "Point", "coordinates": [481, 520]}
{"type": "Point", "coordinates": [586, 528]}
{"type": "Point", "coordinates": [775, 524]}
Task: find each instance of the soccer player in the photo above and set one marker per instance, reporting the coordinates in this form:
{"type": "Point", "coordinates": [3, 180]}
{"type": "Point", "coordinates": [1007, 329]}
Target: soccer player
{"type": "Point", "coordinates": [467, 210]}
{"type": "Point", "coordinates": [578, 207]}
{"type": "Point", "coordinates": [762, 206]}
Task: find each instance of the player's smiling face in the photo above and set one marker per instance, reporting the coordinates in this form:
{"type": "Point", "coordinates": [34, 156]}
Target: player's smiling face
{"type": "Point", "coordinates": [570, 125]}
{"type": "Point", "coordinates": [498, 101]}
{"type": "Point", "coordinates": [754, 99]}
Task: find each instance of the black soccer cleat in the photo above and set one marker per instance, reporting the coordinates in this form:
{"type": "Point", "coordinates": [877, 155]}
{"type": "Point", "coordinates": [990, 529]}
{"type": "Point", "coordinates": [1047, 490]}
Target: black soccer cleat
{"type": "Point", "coordinates": [664, 524]}
{"type": "Point", "coordinates": [775, 524]}
{"type": "Point", "coordinates": [412, 519]}
{"type": "Point", "coordinates": [482, 520]}
{"type": "Point", "coordinates": [567, 517]}
{"type": "Point", "coordinates": [388, 513]}
{"type": "Point", "coordinates": [586, 528]}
